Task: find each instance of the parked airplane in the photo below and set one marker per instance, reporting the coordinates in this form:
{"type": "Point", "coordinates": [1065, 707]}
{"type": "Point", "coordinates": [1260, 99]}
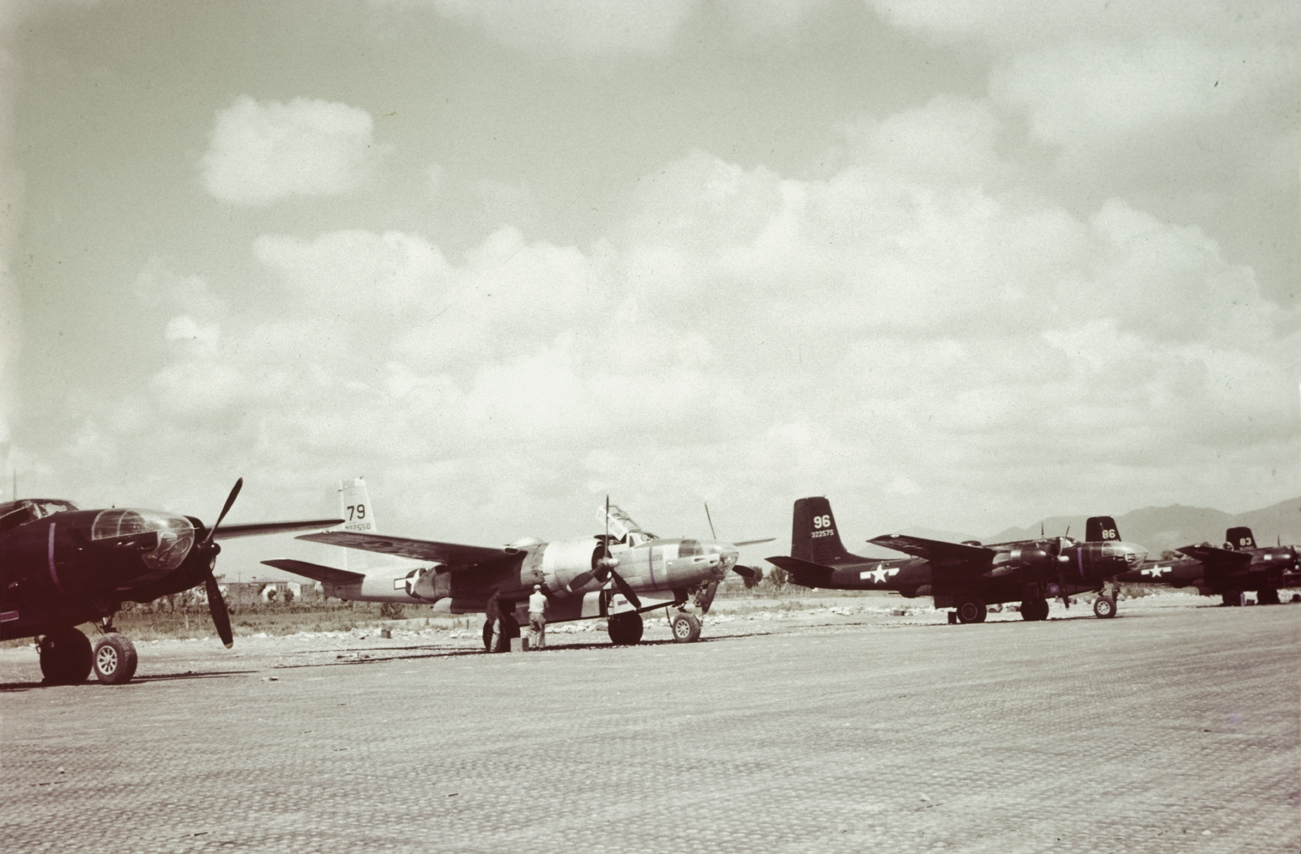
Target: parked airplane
{"type": "Point", "coordinates": [61, 566]}
{"type": "Point", "coordinates": [967, 576]}
{"type": "Point", "coordinates": [1227, 572]}
{"type": "Point", "coordinates": [819, 559]}
{"type": "Point", "coordinates": [617, 576]}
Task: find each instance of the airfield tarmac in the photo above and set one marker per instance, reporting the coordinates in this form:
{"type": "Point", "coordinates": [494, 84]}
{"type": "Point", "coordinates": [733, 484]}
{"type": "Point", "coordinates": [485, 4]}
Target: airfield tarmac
{"type": "Point", "coordinates": [1171, 728]}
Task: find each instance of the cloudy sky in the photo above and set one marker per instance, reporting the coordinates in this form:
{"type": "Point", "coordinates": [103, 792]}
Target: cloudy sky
{"type": "Point", "coordinates": [954, 265]}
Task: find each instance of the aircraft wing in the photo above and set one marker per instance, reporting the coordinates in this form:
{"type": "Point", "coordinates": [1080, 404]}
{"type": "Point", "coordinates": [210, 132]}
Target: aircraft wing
{"type": "Point", "coordinates": [803, 572]}
{"type": "Point", "coordinates": [1222, 558]}
{"type": "Point", "coordinates": [316, 572]}
{"type": "Point", "coordinates": [941, 554]}
{"type": "Point", "coordinates": [228, 532]}
{"type": "Point", "coordinates": [447, 553]}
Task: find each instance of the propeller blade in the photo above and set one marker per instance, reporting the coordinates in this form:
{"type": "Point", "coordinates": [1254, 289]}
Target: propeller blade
{"type": "Point", "coordinates": [217, 608]}
{"type": "Point", "coordinates": [747, 571]}
{"type": "Point", "coordinates": [626, 590]}
{"type": "Point", "coordinates": [230, 500]}
{"type": "Point", "coordinates": [711, 522]}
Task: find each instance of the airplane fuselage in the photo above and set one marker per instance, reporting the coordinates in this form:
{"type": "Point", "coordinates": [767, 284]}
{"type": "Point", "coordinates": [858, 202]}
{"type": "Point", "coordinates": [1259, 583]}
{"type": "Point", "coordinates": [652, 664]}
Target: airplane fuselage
{"type": "Point", "coordinates": [76, 566]}
{"type": "Point", "coordinates": [661, 570]}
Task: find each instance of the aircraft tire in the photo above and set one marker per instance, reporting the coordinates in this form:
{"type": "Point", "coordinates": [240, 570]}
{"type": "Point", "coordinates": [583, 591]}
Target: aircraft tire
{"type": "Point", "coordinates": [1034, 610]}
{"type": "Point", "coordinates": [115, 659]}
{"type": "Point", "coordinates": [971, 609]}
{"type": "Point", "coordinates": [1104, 607]}
{"type": "Point", "coordinates": [66, 658]}
{"type": "Point", "coordinates": [1232, 599]}
{"type": "Point", "coordinates": [625, 629]}
{"type": "Point", "coordinates": [487, 635]}
{"type": "Point", "coordinates": [686, 628]}
{"type": "Point", "coordinates": [1267, 596]}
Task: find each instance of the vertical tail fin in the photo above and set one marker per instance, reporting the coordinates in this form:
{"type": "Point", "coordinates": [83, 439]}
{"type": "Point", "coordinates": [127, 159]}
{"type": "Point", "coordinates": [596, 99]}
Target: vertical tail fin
{"type": "Point", "coordinates": [814, 537]}
{"type": "Point", "coordinates": [354, 507]}
{"type": "Point", "coordinates": [1101, 529]}
{"type": "Point", "coordinates": [358, 517]}
{"type": "Point", "coordinates": [1238, 539]}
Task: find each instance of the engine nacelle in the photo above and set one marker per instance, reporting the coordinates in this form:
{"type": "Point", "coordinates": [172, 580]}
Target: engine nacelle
{"type": "Point", "coordinates": [1093, 563]}
{"type": "Point", "coordinates": [1015, 560]}
{"type": "Point", "coordinates": [569, 566]}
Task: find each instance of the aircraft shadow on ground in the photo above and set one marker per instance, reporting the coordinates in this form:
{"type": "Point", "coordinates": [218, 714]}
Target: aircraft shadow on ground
{"type": "Point", "coordinates": [10, 687]}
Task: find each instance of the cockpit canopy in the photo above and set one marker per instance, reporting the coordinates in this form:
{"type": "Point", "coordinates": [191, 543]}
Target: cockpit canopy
{"type": "Point", "coordinates": [175, 533]}
{"type": "Point", "coordinates": [25, 510]}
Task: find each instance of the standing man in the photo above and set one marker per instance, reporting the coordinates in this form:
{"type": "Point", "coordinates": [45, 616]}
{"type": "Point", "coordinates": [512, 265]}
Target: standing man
{"type": "Point", "coordinates": [537, 618]}
{"type": "Point", "coordinates": [494, 621]}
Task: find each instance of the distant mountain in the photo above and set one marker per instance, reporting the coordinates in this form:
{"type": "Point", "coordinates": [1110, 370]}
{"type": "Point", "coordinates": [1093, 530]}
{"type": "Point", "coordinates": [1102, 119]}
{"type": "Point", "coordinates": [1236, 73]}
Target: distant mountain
{"type": "Point", "coordinates": [1165, 528]}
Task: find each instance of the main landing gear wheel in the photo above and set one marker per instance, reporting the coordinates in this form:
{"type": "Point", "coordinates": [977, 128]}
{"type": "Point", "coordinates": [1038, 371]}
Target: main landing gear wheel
{"type": "Point", "coordinates": [686, 628]}
{"type": "Point", "coordinates": [971, 610]}
{"type": "Point", "coordinates": [625, 629]}
{"type": "Point", "coordinates": [115, 659]}
{"type": "Point", "coordinates": [1104, 607]}
{"type": "Point", "coordinates": [1267, 596]}
{"type": "Point", "coordinates": [1233, 599]}
{"type": "Point", "coordinates": [1034, 609]}
{"type": "Point", "coordinates": [65, 657]}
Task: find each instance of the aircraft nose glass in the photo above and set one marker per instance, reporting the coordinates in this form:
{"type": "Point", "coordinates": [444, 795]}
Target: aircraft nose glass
{"type": "Point", "coordinates": [727, 555]}
{"type": "Point", "coordinates": [175, 534]}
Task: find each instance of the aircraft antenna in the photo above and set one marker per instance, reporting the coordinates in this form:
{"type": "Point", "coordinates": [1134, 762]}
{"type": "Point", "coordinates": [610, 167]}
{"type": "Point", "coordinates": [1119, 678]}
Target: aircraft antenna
{"type": "Point", "coordinates": [711, 522]}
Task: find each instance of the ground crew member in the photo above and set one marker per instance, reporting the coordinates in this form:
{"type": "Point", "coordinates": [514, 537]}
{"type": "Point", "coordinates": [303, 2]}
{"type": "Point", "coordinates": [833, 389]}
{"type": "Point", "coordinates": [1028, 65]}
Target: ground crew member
{"type": "Point", "coordinates": [494, 620]}
{"type": "Point", "coordinates": [537, 618]}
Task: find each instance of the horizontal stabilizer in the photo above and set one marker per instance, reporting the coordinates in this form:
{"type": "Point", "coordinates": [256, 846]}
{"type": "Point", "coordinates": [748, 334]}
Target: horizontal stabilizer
{"type": "Point", "coordinates": [941, 554]}
{"type": "Point", "coordinates": [256, 529]}
{"type": "Point", "coordinates": [316, 572]}
{"type": "Point", "coordinates": [1218, 558]}
{"type": "Point", "coordinates": [451, 554]}
{"type": "Point", "coordinates": [803, 572]}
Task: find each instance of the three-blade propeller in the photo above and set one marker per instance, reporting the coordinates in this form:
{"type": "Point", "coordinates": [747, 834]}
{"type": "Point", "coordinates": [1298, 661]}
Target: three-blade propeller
{"type": "Point", "coordinates": [216, 604]}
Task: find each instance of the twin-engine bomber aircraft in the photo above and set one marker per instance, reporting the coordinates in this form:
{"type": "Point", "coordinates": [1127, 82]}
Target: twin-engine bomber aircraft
{"type": "Point", "coordinates": [1228, 572]}
{"type": "Point", "coordinates": [617, 576]}
{"type": "Point", "coordinates": [964, 576]}
{"type": "Point", "coordinates": [61, 566]}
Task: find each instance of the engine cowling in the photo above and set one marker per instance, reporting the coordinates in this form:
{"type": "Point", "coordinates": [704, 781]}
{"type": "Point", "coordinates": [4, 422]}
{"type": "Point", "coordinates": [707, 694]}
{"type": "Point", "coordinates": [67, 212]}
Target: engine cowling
{"type": "Point", "coordinates": [570, 566]}
{"type": "Point", "coordinates": [1014, 560]}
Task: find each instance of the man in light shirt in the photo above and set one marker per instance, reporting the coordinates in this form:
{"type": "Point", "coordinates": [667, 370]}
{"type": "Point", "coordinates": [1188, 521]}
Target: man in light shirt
{"type": "Point", "coordinates": [537, 618]}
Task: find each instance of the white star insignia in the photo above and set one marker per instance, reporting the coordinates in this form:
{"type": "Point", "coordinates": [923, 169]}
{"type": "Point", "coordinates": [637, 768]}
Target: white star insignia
{"type": "Point", "coordinates": [1156, 571]}
{"type": "Point", "coordinates": [878, 575]}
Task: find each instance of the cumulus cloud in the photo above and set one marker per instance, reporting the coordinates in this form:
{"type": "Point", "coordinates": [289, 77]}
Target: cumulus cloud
{"type": "Point", "coordinates": [917, 336]}
{"type": "Point", "coordinates": [261, 152]}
